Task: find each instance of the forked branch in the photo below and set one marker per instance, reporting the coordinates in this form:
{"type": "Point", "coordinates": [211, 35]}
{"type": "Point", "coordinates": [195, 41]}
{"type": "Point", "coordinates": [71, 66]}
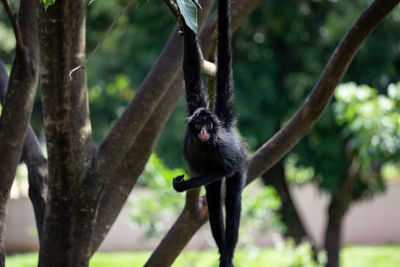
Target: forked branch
{"type": "Point", "coordinates": [304, 119]}
{"type": "Point", "coordinates": [101, 41]}
{"type": "Point", "coordinates": [14, 23]}
{"type": "Point", "coordinates": [174, 10]}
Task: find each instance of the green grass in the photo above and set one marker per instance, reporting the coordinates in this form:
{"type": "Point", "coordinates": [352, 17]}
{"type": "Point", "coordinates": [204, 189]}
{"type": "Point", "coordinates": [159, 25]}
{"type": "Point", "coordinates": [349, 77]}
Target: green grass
{"type": "Point", "coordinates": [379, 256]}
{"type": "Point", "coordinates": [353, 256]}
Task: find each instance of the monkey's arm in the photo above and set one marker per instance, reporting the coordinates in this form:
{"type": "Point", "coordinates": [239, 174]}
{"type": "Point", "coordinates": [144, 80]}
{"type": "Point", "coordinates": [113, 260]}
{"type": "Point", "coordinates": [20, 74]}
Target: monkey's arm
{"type": "Point", "coordinates": [181, 185]}
{"type": "Point", "coordinates": [224, 100]}
{"type": "Point", "coordinates": [195, 97]}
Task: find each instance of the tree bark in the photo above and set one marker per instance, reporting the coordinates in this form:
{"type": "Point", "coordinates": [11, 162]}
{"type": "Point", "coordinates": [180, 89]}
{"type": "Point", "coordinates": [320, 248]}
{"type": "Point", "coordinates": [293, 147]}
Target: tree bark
{"type": "Point", "coordinates": [71, 206]}
{"type": "Point", "coordinates": [300, 123]}
{"type": "Point", "coordinates": [17, 107]}
{"type": "Point", "coordinates": [37, 176]}
{"type": "Point", "coordinates": [317, 101]}
{"type": "Point", "coordinates": [34, 160]}
{"type": "Point", "coordinates": [125, 177]}
{"type": "Point", "coordinates": [289, 216]}
{"type": "Point", "coordinates": [333, 233]}
{"type": "Point", "coordinates": [117, 192]}
{"type": "Point", "coordinates": [339, 205]}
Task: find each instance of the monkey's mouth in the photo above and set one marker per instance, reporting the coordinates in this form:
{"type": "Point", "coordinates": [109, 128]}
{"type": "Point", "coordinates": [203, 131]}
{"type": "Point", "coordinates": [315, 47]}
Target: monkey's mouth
{"type": "Point", "coordinates": [203, 135]}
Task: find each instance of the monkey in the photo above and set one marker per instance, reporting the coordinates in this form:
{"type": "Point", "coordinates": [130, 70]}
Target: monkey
{"type": "Point", "coordinates": [212, 147]}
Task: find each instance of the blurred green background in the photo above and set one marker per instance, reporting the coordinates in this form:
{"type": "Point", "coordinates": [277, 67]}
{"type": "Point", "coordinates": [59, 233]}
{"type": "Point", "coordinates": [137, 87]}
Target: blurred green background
{"type": "Point", "coordinates": [279, 52]}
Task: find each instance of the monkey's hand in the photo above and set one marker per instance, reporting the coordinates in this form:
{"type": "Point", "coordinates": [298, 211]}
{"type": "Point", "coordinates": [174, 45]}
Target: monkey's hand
{"type": "Point", "coordinates": [178, 182]}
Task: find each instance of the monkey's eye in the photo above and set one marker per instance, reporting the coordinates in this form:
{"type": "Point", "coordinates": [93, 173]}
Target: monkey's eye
{"type": "Point", "coordinates": [198, 125]}
{"type": "Point", "coordinates": [210, 125]}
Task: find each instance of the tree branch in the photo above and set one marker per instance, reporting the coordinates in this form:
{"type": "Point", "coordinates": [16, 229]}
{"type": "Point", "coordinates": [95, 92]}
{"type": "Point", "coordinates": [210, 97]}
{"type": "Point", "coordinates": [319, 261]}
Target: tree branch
{"type": "Point", "coordinates": [102, 39]}
{"type": "Point", "coordinates": [314, 105]}
{"type": "Point", "coordinates": [131, 122]}
{"type": "Point", "coordinates": [15, 25]}
{"type": "Point", "coordinates": [192, 217]}
{"type": "Point", "coordinates": [195, 212]}
{"type": "Point", "coordinates": [3, 82]}
{"type": "Point", "coordinates": [207, 67]}
{"type": "Point", "coordinates": [174, 10]}
{"type": "Point", "coordinates": [34, 160]}
{"type": "Point", "coordinates": [125, 131]}
{"type": "Point", "coordinates": [302, 121]}
{"type": "Point", "coordinates": [129, 125]}
{"type": "Point", "coordinates": [18, 104]}
{"type": "Point", "coordinates": [125, 177]}
{"type": "Point", "coordinates": [37, 175]}
{"type": "Point", "coordinates": [65, 103]}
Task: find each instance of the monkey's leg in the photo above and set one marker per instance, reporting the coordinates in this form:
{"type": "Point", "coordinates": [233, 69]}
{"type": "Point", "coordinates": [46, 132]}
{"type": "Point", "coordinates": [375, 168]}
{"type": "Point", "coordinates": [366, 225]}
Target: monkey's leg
{"type": "Point", "coordinates": [216, 217]}
{"type": "Point", "coordinates": [234, 187]}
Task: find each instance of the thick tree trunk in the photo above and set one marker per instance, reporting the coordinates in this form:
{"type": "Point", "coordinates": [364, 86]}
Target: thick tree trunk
{"type": "Point", "coordinates": [304, 119]}
{"type": "Point", "coordinates": [71, 205]}
{"type": "Point", "coordinates": [17, 102]}
{"type": "Point", "coordinates": [3, 219]}
{"type": "Point", "coordinates": [340, 203]}
{"type": "Point", "coordinates": [332, 234]}
{"type": "Point", "coordinates": [289, 216]}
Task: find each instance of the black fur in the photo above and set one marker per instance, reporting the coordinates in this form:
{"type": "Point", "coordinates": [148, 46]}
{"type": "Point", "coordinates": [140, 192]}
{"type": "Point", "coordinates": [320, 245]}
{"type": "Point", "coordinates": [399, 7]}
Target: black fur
{"type": "Point", "coordinates": [212, 147]}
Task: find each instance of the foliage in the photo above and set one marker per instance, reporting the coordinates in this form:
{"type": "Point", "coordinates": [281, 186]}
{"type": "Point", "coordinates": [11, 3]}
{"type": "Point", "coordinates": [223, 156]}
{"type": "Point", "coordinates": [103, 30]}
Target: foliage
{"type": "Point", "coordinates": [258, 202]}
{"type": "Point", "coordinates": [382, 256]}
{"type": "Point", "coordinates": [372, 129]}
{"type": "Point", "coordinates": [142, 2]}
{"type": "Point", "coordinates": [371, 121]}
{"type": "Point", "coordinates": [369, 135]}
{"type": "Point", "coordinates": [48, 3]}
{"type": "Point", "coordinates": [188, 11]}
{"type": "Point", "coordinates": [279, 52]}
{"type": "Point", "coordinates": [296, 173]}
{"type": "Point", "coordinates": [391, 170]}
{"type": "Point", "coordinates": [117, 94]}
{"type": "Point", "coordinates": [259, 206]}
{"type": "Point", "coordinates": [353, 256]}
{"type": "Point", "coordinates": [147, 212]}
{"type": "Point", "coordinates": [299, 256]}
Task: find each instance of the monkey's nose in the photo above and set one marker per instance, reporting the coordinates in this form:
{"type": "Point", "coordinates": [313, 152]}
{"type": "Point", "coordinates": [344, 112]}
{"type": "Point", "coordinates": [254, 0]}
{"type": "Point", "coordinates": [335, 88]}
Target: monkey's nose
{"type": "Point", "coordinates": [203, 134]}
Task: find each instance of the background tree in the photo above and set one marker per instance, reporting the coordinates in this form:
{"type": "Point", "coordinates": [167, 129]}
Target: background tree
{"type": "Point", "coordinates": [275, 71]}
{"type": "Point", "coordinates": [369, 137]}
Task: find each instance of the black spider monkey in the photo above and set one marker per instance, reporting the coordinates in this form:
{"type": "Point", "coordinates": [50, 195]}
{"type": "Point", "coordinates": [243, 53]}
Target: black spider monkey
{"type": "Point", "coordinates": [212, 147]}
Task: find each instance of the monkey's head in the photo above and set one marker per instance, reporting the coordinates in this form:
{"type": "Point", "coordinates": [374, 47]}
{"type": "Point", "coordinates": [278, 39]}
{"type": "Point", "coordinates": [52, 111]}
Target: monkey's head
{"type": "Point", "coordinates": [203, 124]}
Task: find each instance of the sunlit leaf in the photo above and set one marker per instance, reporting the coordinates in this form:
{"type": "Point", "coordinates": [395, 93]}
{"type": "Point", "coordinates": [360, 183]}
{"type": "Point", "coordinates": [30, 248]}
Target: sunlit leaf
{"type": "Point", "coordinates": [189, 12]}
{"type": "Point", "coordinates": [48, 3]}
{"type": "Point", "coordinates": [142, 2]}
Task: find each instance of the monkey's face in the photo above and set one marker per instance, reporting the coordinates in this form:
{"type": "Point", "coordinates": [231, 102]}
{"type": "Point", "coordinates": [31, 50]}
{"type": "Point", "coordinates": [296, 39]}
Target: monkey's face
{"type": "Point", "coordinates": [203, 124]}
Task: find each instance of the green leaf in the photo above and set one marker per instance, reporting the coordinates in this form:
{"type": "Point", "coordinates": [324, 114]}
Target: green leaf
{"type": "Point", "coordinates": [48, 3]}
{"type": "Point", "coordinates": [189, 12]}
{"type": "Point", "coordinates": [142, 3]}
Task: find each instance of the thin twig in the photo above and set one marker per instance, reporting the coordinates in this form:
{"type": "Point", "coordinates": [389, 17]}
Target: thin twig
{"type": "Point", "coordinates": [102, 39]}
{"type": "Point", "coordinates": [173, 7]}
{"type": "Point", "coordinates": [15, 25]}
{"type": "Point", "coordinates": [207, 67]}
